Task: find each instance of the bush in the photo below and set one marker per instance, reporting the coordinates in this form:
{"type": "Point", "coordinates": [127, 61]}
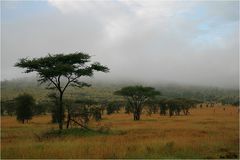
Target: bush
{"type": "Point", "coordinates": [25, 104]}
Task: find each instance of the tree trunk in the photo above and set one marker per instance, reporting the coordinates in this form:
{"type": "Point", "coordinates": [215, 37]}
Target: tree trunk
{"type": "Point", "coordinates": [83, 126]}
{"type": "Point", "coordinates": [134, 116]}
{"type": "Point", "coordinates": [60, 111]}
{"type": "Point", "coordinates": [68, 120]}
{"type": "Point", "coordinates": [170, 112]}
{"type": "Point", "coordinates": [23, 121]}
{"type": "Point", "coordinates": [138, 116]}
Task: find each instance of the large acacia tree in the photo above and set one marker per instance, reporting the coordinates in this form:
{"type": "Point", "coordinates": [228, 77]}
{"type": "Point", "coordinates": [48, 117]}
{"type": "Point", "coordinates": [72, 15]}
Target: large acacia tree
{"type": "Point", "coordinates": [136, 97]}
{"type": "Point", "coordinates": [60, 71]}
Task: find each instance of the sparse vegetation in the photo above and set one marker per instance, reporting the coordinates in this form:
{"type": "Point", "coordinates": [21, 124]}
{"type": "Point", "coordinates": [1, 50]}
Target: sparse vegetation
{"type": "Point", "coordinates": [98, 125]}
{"type": "Point", "coordinates": [203, 134]}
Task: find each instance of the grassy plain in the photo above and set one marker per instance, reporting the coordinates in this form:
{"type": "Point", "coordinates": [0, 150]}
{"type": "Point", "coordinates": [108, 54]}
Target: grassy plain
{"type": "Point", "coordinates": [206, 133]}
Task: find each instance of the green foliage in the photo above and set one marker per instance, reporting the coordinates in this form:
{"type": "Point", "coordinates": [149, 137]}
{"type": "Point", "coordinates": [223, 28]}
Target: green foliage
{"type": "Point", "coordinates": [8, 107]}
{"type": "Point", "coordinates": [162, 103]}
{"type": "Point", "coordinates": [176, 105]}
{"type": "Point", "coordinates": [128, 108]}
{"type": "Point", "coordinates": [113, 107]}
{"type": "Point", "coordinates": [88, 102]}
{"type": "Point", "coordinates": [230, 100]}
{"type": "Point", "coordinates": [86, 110]}
{"type": "Point", "coordinates": [52, 67]}
{"type": "Point", "coordinates": [25, 104]}
{"type": "Point", "coordinates": [40, 108]}
{"type": "Point", "coordinates": [138, 92]}
{"type": "Point", "coordinates": [152, 106]}
{"type": "Point", "coordinates": [96, 113]}
{"type": "Point", "coordinates": [205, 94]}
{"type": "Point", "coordinates": [136, 97]}
{"type": "Point", "coordinates": [236, 103]}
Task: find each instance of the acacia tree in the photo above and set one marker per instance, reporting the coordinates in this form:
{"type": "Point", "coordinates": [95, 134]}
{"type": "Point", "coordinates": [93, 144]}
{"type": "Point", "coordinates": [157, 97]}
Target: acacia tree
{"type": "Point", "coordinates": [60, 71]}
{"type": "Point", "coordinates": [136, 97]}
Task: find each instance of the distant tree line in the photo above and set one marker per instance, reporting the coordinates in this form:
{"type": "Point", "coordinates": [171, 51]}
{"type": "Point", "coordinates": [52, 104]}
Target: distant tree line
{"type": "Point", "coordinates": [138, 98]}
{"type": "Point", "coordinates": [24, 107]}
{"type": "Point", "coordinates": [10, 107]}
{"type": "Point", "coordinates": [78, 112]}
{"type": "Point", "coordinates": [230, 101]}
{"type": "Point", "coordinates": [172, 107]}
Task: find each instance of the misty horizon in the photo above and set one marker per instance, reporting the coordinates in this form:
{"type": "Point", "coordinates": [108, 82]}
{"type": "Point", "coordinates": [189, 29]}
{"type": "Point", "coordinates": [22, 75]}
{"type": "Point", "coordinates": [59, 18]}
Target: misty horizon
{"type": "Point", "coordinates": [96, 82]}
{"type": "Point", "coordinates": [186, 43]}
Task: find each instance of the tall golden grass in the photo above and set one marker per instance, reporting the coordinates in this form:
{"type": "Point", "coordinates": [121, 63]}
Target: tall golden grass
{"type": "Point", "coordinates": [205, 133]}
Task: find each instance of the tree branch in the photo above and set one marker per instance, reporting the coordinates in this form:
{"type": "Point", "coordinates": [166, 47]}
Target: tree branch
{"type": "Point", "coordinates": [67, 84]}
{"type": "Point", "coordinates": [53, 82]}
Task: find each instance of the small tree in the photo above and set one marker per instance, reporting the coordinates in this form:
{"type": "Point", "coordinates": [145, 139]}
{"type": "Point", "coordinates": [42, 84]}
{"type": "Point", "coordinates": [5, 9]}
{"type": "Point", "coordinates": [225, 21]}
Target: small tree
{"type": "Point", "coordinates": [9, 107]}
{"type": "Point", "coordinates": [113, 107]}
{"type": "Point", "coordinates": [81, 111]}
{"type": "Point", "coordinates": [96, 113]}
{"type": "Point", "coordinates": [60, 71]}
{"type": "Point", "coordinates": [24, 104]}
{"type": "Point", "coordinates": [137, 96]}
{"type": "Point", "coordinates": [87, 109]}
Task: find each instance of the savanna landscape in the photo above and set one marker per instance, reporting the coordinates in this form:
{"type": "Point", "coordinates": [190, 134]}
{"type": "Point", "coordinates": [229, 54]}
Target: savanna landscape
{"type": "Point", "coordinates": [123, 79]}
{"type": "Point", "coordinates": [206, 133]}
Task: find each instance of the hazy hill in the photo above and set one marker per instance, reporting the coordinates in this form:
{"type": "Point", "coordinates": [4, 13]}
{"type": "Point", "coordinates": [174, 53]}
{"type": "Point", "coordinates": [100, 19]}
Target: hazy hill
{"type": "Point", "coordinates": [104, 90]}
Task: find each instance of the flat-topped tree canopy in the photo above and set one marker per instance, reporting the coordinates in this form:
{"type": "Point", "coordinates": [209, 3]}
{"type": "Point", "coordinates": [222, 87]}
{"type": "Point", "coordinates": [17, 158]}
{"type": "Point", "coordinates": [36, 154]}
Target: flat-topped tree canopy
{"type": "Point", "coordinates": [138, 92]}
{"type": "Point", "coordinates": [60, 71]}
{"type": "Point", "coordinates": [137, 96]}
{"type": "Point", "coordinates": [54, 67]}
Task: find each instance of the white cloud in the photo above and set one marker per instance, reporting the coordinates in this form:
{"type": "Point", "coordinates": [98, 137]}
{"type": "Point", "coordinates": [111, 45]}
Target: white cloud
{"type": "Point", "coordinates": [185, 42]}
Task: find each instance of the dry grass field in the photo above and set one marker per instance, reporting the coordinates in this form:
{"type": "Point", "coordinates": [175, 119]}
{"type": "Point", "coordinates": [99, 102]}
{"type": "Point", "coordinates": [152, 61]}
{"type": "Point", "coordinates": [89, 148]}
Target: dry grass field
{"type": "Point", "coordinates": [206, 133]}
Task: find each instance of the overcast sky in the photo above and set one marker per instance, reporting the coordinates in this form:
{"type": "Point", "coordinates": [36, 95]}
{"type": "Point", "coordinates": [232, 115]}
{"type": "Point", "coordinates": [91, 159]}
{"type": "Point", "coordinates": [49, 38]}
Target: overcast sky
{"type": "Point", "coordinates": [189, 42]}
